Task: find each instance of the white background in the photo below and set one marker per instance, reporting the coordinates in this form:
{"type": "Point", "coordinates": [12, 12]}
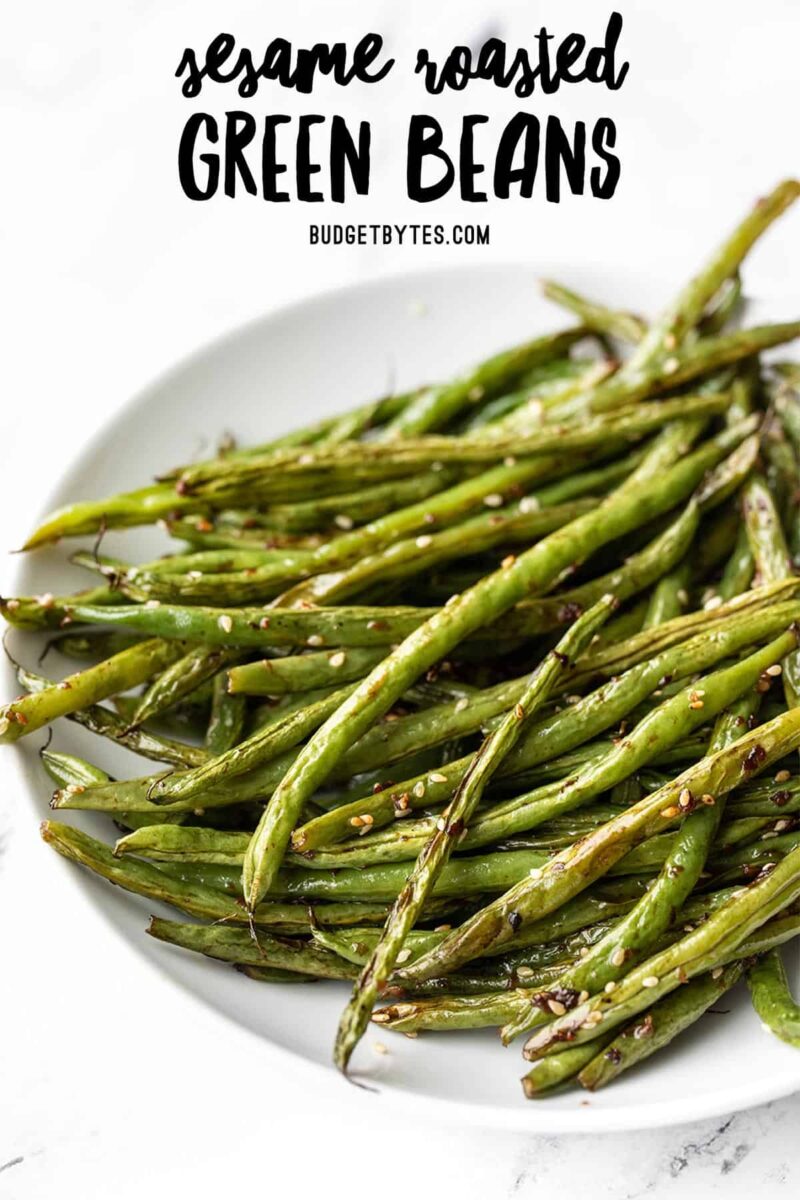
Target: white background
{"type": "Point", "coordinates": [111, 1083]}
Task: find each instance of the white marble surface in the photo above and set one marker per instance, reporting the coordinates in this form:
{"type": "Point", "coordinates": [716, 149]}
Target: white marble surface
{"type": "Point", "coordinates": [112, 1084]}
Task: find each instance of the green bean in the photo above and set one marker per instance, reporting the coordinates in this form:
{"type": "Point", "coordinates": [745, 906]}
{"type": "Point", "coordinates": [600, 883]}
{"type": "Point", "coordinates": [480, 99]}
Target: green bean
{"type": "Point", "coordinates": [180, 679]}
{"type": "Point", "coordinates": [226, 722]}
{"type": "Point", "coordinates": [193, 898]}
{"type": "Point", "coordinates": [656, 1029]}
{"type": "Point", "coordinates": [269, 474]}
{"type": "Point", "coordinates": [772, 998]}
{"type": "Point", "coordinates": [615, 323]}
{"type": "Point", "coordinates": [403, 558]}
{"type": "Point", "coordinates": [435, 407]}
{"type": "Point", "coordinates": [125, 670]}
{"type": "Point", "coordinates": [686, 310]}
{"type": "Point", "coordinates": [302, 672]}
{"type": "Point", "coordinates": [105, 723]}
{"type": "Point", "coordinates": [53, 612]}
{"type": "Point", "coordinates": [259, 950]}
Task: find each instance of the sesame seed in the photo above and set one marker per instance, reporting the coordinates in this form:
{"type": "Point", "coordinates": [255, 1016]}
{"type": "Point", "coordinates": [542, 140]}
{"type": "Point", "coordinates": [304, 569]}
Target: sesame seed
{"type": "Point", "coordinates": [715, 974]}
{"type": "Point", "coordinates": [315, 639]}
{"type": "Point", "coordinates": [437, 777]}
{"type": "Point", "coordinates": [337, 659]}
{"type": "Point", "coordinates": [519, 712]}
{"type": "Point", "coordinates": [536, 872]}
{"type": "Point", "coordinates": [781, 825]}
{"type": "Point", "coordinates": [424, 540]}
{"type": "Point", "coordinates": [671, 811]}
{"type": "Point", "coordinates": [610, 986]}
{"type": "Point", "coordinates": [461, 704]}
{"type": "Point", "coordinates": [557, 1007]}
{"type": "Point", "coordinates": [670, 341]}
{"type": "Point", "coordinates": [152, 604]}
{"type": "Point", "coordinates": [708, 800]}
{"type": "Point", "coordinates": [783, 776]}
{"type": "Point", "coordinates": [685, 798]}
{"type": "Point", "coordinates": [683, 596]}
{"type": "Point", "coordinates": [508, 561]}
{"type": "Point", "coordinates": [412, 1033]}
{"type": "Point", "coordinates": [583, 997]}
{"type": "Point", "coordinates": [618, 957]}
{"type": "Point", "coordinates": [342, 521]}
{"type": "Point", "coordinates": [441, 825]}
{"type": "Point", "coordinates": [775, 670]}
{"type": "Point", "coordinates": [493, 500]}
{"type": "Point", "coordinates": [650, 981]}
{"type": "Point", "coordinates": [263, 623]}
{"type": "Point", "coordinates": [442, 928]}
{"type": "Point", "coordinates": [363, 821]}
{"type": "Point", "coordinates": [46, 600]}
{"type": "Point", "coordinates": [194, 575]}
{"type": "Point", "coordinates": [404, 955]}
{"type": "Point", "coordinates": [509, 461]}
{"type": "Point", "coordinates": [712, 602]}
{"type": "Point", "coordinates": [379, 1048]}
{"type": "Point", "coordinates": [529, 504]}
{"type": "Point", "coordinates": [670, 366]}
{"type": "Point", "coordinates": [584, 951]}
{"type": "Point", "coordinates": [380, 1018]}
{"type": "Point", "coordinates": [225, 623]}
{"type": "Point", "coordinates": [305, 460]}
{"type": "Point", "coordinates": [419, 789]}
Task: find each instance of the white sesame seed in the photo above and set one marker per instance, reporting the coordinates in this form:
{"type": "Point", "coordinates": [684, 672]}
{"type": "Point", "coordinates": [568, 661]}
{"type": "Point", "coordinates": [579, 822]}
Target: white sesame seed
{"type": "Point", "coordinates": [404, 955]}
{"type": "Point", "coordinates": [618, 957]}
{"type": "Point", "coordinates": [493, 500]}
{"type": "Point", "coordinates": [670, 366]}
{"type": "Point", "coordinates": [379, 1048]}
{"type": "Point", "coordinates": [152, 604]}
{"type": "Point", "coordinates": [775, 670]}
{"type": "Point", "coordinates": [337, 659]}
{"type": "Point", "coordinates": [508, 561]}
{"type": "Point", "coordinates": [529, 504]}
{"type": "Point", "coordinates": [424, 540]}
{"type": "Point", "coordinates": [194, 575]}
{"type": "Point", "coordinates": [715, 974]}
{"type": "Point", "coordinates": [315, 639]}
{"type": "Point", "coordinates": [525, 972]}
{"type": "Point", "coordinates": [583, 997]}
{"type": "Point", "coordinates": [437, 777]}
{"type": "Point", "coordinates": [610, 986]}
{"type": "Point", "coordinates": [419, 789]}
{"type": "Point", "coordinates": [342, 521]}
{"type": "Point", "coordinates": [461, 704]}
{"type": "Point", "coordinates": [380, 1018]}
{"type": "Point", "coordinates": [441, 825]}
{"type": "Point", "coordinates": [650, 981]}
{"type": "Point", "coordinates": [225, 623]}
{"type": "Point", "coordinates": [536, 872]}
{"type": "Point", "coordinates": [712, 602]}
{"type": "Point", "coordinates": [509, 461]}
{"type": "Point", "coordinates": [557, 1007]}
{"type": "Point", "coordinates": [783, 776]}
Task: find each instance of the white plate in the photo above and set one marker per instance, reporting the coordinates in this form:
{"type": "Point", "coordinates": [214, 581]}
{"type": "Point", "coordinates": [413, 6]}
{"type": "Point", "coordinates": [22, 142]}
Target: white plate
{"type": "Point", "coordinates": [284, 370]}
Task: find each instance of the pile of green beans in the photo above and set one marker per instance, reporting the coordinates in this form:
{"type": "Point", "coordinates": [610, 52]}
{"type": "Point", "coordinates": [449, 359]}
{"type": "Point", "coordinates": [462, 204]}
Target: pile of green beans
{"type": "Point", "coordinates": [482, 698]}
